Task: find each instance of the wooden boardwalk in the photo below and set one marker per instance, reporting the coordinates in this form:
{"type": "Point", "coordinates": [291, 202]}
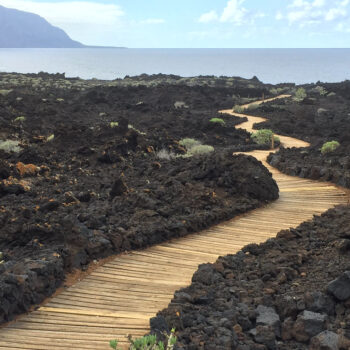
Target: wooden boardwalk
{"type": "Point", "coordinates": [119, 297]}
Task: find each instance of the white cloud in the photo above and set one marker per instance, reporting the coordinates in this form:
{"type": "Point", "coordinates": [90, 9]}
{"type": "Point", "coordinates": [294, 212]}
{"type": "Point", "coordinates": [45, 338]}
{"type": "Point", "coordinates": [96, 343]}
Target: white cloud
{"type": "Point", "coordinates": [306, 12]}
{"type": "Point", "coordinates": [234, 12]}
{"type": "Point", "coordinates": [153, 21]}
{"type": "Point", "coordinates": [343, 27]}
{"type": "Point", "coordinates": [335, 13]}
{"type": "Point", "coordinates": [208, 17]}
{"type": "Point", "coordinates": [279, 16]}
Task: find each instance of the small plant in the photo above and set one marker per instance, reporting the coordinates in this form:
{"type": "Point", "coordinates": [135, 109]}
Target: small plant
{"type": "Point", "coordinates": [113, 124]}
{"type": "Point", "coordinates": [264, 137]}
{"type": "Point", "coordinates": [5, 92]}
{"type": "Point", "coordinates": [138, 131]}
{"type": "Point", "coordinates": [321, 90]}
{"type": "Point", "coordinates": [1, 258]}
{"type": "Point", "coordinates": [20, 119]}
{"type": "Point", "coordinates": [148, 342]}
{"type": "Point", "coordinates": [189, 143]}
{"type": "Point", "coordinates": [329, 147]}
{"type": "Point", "coordinates": [238, 109]}
{"type": "Point", "coordinates": [300, 95]}
{"type": "Point", "coordinates": [253, 106]}
{"type": "Point", "coordinates": [201, 149]}
{"type": "Point", "coordinates": [10, 146]}
{"type": "Point", "coordinates": [217, 121]}
{"type": "Point", "coordinates": [194, 147]}
{"type": "Point", "coordinates": [50, 138]}
{"type": "Point", "coordinates": [165, 154]}
{"type": "Point", "coordinates": [277, 91]}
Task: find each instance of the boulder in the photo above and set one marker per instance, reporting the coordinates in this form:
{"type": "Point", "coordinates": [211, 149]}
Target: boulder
{"type": "Point", "coordinates": [325, 341]}
{"type": "Point", "coordinates": [340, 287]}
{"type": "Point", "coordinates": [267, 316]}
{"type": "Point", "coordinates": [308, 324]}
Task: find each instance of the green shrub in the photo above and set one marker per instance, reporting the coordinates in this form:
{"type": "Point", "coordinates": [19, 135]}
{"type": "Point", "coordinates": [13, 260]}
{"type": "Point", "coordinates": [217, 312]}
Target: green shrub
{"type": "Point", "coordinates": [189, 143]}
{"type": "Point", "coordinates": [238, 109]}
{"type": "Point", "coordinates": [253, 106]}
{"type": "Point", "coordinates": [201, 149]}
{"type": "Point", "coordinates": [321, 90]}
{"type": "Point", "coordinates": [148, 342]}
{"type": "Point", "coordinates": [217, 121]}
{"type": "Point", "coordinates": [138, 131]}
{"type": "Point", "coordinates": [264, 137]}
{"type": "Point", "coordinates": [20, 119]}
{"type": "Point", "coordinates": [329, 147]}
{"type": "Point", "coordinates": [194, 147]}
{"type": "Point", "coordinates": [5, 92]}
{"type": "Point", "coordinates": [300, 95]}
{"type": "Point", "coordinates": [50, 138]}
{"type": "Point", "coordinates": [10, 146]}
{"type": "Point", "coordinates": [277, 91]}
{"type": "Point", "coordinates": [113, 124]}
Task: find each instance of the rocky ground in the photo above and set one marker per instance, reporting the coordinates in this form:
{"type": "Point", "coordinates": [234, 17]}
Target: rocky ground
{"type": "Point", "coordinates": [292, 292]}
{"type": "Point", "coordinates": [89, 169]}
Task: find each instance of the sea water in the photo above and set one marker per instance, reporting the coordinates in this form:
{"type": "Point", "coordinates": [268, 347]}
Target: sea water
{"type": "Point", "coordinates": [269, 65]}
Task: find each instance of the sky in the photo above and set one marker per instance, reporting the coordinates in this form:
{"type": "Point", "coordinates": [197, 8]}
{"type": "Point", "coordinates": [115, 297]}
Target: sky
{"type": "Point", "coordinates": [198, 23]}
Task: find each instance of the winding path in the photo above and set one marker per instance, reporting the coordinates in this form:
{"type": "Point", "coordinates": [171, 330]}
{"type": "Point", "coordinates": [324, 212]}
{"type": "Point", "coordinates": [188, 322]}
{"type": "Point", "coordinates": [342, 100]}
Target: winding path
{"type": "Point", "coordinates": [119, 297]}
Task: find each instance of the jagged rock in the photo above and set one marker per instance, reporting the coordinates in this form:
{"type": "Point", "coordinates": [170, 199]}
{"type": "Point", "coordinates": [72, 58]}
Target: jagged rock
{"type": "Point", "coordinates": [340, 287]}
{"type": "Point", "coordinates": [267, 316]}
{"type": "Point", "coordinates": [319, 302]}
{"type": "Point", "coordinates": [325, 341]}
{"type": "Point", "coordinates": [308, 324]}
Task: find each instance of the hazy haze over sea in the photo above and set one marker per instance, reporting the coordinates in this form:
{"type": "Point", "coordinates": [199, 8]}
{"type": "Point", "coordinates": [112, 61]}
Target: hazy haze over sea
{"type": "Point", "coordinates": [269, 65]}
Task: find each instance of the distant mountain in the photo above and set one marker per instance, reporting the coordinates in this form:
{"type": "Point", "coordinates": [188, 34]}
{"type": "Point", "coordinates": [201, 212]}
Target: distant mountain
{"type": "Point", "coordinates": [19, 29]}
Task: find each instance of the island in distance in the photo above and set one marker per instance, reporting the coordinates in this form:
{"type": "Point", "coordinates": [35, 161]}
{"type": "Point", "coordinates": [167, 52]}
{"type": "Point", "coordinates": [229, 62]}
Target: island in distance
{"type": "Point", "coordinates": [21, 29]}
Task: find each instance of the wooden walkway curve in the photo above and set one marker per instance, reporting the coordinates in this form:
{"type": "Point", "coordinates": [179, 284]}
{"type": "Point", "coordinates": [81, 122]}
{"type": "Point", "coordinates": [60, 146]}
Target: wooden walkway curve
{"type": "Point", "coordinates": [119, 297]}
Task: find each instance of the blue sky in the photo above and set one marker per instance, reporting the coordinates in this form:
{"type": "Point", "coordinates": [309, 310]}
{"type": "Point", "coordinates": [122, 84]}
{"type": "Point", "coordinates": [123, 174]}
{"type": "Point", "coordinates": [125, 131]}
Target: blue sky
{"type": "Point", "coordinates": [198, 23]}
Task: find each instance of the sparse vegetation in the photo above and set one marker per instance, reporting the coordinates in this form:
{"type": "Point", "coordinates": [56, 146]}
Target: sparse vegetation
{"type": "Point", "coordinates": [253, 106]}
{"type": "Point", "coordinates": [10, 146]}
{"type": "Point", "coordinates": [189, 143]}
{"type": "Point", "coordinates": [201, 149]}
{"type": "Point", "coordinates": [165, 154]}
{"type": "Point", "coordinates": [217, 121]}
{"type": "Point", "coordinates": [4, 92]}
{"type": "Point", "coordinates": [329, 147]}
{"type": "Point", "coordinates": [194, 147]}
{"type": "Point", "coordinates": [50, 138]}
{"type": "Point", "coordinates": [321, 90]}
{"type": "Point", "coordinates": [277, 91]}
{"type": "Point", "coordinates": [300, 95]}
{"type": "Point", "coordinates": [148, 342]}
{"type": "Point", "coordinates": [264, 137]}
{"type": "Point", "coordinates": [138, 131]}
{"type": "Point", "coordinates": [238, 109]}
{"type": "Point", "coordinates": [20, 119]}
{"type": "Point", "coordinates": [113, 124]}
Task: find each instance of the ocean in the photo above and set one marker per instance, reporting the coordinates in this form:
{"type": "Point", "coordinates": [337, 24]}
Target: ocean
{"type": "Point", "coordinates": [269, 65]}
